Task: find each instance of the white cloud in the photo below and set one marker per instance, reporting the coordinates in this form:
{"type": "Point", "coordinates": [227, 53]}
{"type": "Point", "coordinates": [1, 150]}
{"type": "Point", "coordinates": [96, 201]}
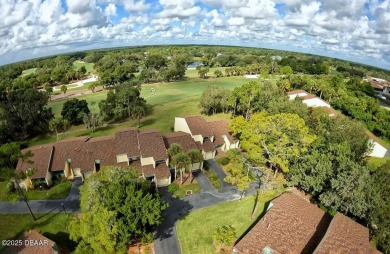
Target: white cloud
{"type": "Point", "coordinates": [110, 10]}
{"type": "Point", "coordinates": [136, 6]}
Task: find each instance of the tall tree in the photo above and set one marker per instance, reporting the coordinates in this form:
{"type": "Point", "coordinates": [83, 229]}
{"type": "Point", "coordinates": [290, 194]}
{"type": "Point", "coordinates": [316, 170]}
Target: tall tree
{"type": "Point", "coordinates": [74, 109]}
{"type": "Point", "coordinates": [182, 162]}
{"type": "Point", "coordinates": [24, 113]}
{"type": "Point", "coordinates": [195, 156]}
{"type": "Point", "coordinates": [279, 138]}
{"type": "Point", "coordinates": [173, 150]}
{"type": "Point", "coordinates": [139, 112]}
{"type": "Point", "coordinates": [64, 88]}
{"type": "Point", "coordinates": [117, 209]}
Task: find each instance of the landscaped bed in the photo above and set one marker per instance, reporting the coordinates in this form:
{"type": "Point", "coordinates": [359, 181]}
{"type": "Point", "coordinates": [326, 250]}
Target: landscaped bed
{"type": "Point", "coordinates": [195, 230]}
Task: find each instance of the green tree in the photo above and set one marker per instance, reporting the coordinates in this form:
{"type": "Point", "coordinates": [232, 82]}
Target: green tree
{"type": "Point", "coordinates": [64, 88]}
{"type": "Point", "coordinates": [195, 156]}
{"type": "Point", "coordinates": [92, 86]}
{"type": "Point", "coordinates": [280, 138]}
{"type": "Point", "coordinates": [117, 209]}
{"type": "Point", "coordinates": [237, 173]}
{"type": "Point", "coordinates": [379, 213]}
{"type": "Point", "coordinates": [182, 162]}
{"type": "Point", "coordinates": [172, 151]}
{"type": "Point", "coordinates": [139, 112]}
{"type": "Point", "coordinates": [74, 109]}
{"type": "Point", "coordinates": [24, 113]}
{"type": "Point", "coordinates": [223, 238]}
{"type": "Point", "coordinates": [218, 73]}
{"type": "Point", "coordinates": [59, 125]}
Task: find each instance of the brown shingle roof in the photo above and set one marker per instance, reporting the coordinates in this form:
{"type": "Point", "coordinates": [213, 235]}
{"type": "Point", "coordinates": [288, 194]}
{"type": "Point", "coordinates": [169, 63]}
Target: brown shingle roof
{"type": "Point", "coordinates": [47, 246]}
{"type": "Point", "coordinates": [152, 145]}
{"type": "Point", "coordinates": [220, 128]}
{"type": "Point", "coordinates": [344, 236]}
{"type": "Point", "coordinates": [126, 142]}
{"type": "Point", "coordinates": [296, 92]}
{"type": "Point", "coordinates": [292, 225]}
{"type": "Point", "coordinates": [208, 146]}
{"type": "Point", "coordinates": [40, 160]}
{"type": "Point", "coordinates": [198, 126]}
{"type": "Point", "coordinates": [160, 171]}
{"type": "Point", "coordinates": [181, 138]}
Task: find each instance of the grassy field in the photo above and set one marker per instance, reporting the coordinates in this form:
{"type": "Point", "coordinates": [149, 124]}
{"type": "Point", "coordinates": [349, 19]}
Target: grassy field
{"type": "Point", "coordinates": [170, 100]}
{"type": "Point", "coordinates": [193, 73]}
{"type": "Point", "coordinates": [88, 66]}
{"type": "Point", "coordinates": [58, 191]}
{"type": "Point", "coordinates": [29, 71]}
{"type": "Point", "coordinates": [375, 163]}
{"type": "Point", "coordinates": [195, 237]}
{"type": "Point", "coordinates": [52, 225]}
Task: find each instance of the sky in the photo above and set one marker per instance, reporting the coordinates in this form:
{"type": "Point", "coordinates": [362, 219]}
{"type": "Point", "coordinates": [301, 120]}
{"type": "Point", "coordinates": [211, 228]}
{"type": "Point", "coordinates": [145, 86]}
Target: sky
{"type": "Point", "coordinates": [356, 30]}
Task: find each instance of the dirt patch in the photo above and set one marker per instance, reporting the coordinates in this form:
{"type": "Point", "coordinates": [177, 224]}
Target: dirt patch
{"type": "Point", "coordinates": [138, 248]}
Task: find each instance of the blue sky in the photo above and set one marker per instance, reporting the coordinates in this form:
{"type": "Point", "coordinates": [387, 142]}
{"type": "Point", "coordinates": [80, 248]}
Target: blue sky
{"type": "Point", "coordinates": [357, 30]}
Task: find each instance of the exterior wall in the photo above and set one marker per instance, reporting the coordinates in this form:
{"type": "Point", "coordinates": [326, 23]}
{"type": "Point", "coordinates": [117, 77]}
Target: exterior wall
{"type": "Point", "coordinates": [77, 172]}
{"type": "Point", "coordinates": [198, 138]}
{"type": "Point", "coordinates": [208, 155]}
{"type": "Point", "coordinates": [196, 166]}
{"type": "Point", "coordinates": [229, 145]}
{"type": "Point", "coordinates": [316, 102]}
{"type": "Point", "coordinates": [68, 173]}
{"type": "Point", "coordinates": [293, 96]}
{"type": "Point", "coordinates": [163, 182]}
{"type": "Point", "coordinates": [122, 158]}
{"type": "Point", "coordinates": [377, 149]}
{"type": "Point", "coordinates": [87, 174]}
{"type": "Point", "coordinates": [181, 125]}
{"type": "Point", "coordinates": [26, 184]}
{"type": "Point", "coordinates": [148, 161]}
{"type": "Point", "coordinates": [48, 178]}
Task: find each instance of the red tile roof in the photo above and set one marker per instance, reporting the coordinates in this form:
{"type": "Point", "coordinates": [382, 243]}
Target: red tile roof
{"type": "Point", "coordinates": [40, 160]}
{"type": "Point", "coordinates": [181, 138]}
{"type": "Point", "coordinates": [47, 246]}
{"type": "Point", "coordinates": [344, 236]}
{"type": "Point", "coordinates": [292, 225]}
{"type": "Point", "coordinates": [152, 145]}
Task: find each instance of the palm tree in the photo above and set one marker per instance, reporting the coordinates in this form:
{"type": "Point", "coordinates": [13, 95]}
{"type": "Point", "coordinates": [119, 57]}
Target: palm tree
{"type": "Point", "coordinates": [195, 157]}
{"type": "Point", "coordinates": [173, 150]}
{"type": "Point", "coordinates": [139, 112]}
{"type": "Point", "coordinates": [181, 161]}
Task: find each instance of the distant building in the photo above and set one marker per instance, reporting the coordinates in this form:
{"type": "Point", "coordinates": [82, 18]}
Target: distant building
{"type": "Point", "coordinates": [378, 150]}
{"type": "Point", "coordinates": [312, 101]}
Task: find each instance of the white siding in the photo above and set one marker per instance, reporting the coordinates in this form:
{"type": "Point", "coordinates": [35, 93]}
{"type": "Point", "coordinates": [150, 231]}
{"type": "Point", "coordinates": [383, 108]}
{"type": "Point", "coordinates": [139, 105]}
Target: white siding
{"type": "Point", "coordinates": [181, 125]}
{"type": "Point", "coordinates": [198, 138]}
{"type": "Point", "coordinates": [377, 149]}
{"type": "Point", "coordinates": [163, 182]}
{"type": "Point", "coordinates": [148, 161]}
{"type": "Point", "coordinates": [316, 102]}
{"type": "Point", "coordinates": [122, 158]}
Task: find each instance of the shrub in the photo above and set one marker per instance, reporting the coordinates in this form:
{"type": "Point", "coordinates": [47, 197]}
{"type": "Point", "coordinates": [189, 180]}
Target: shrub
{"type": "Point", "coordinates": [173, 187]}
{"type": "Point", "coordinates": [223, 161]}
{"type": "Point", "coordinates": [148, 238]}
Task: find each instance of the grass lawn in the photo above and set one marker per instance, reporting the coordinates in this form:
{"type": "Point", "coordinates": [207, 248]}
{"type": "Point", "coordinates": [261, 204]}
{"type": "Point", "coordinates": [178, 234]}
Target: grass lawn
{"type": "Point", "coordinates": [170, 100]}
{"type": "Point", "coordinates": [88, 66]}
{"type": "Point", "coordinates": [375, 163]}
{"type": "Point", "coordinates": [28, 71]}
{"type": "Point", "coordinates": [181, 193]}
{"type": "Point", "coordinates": [53, 225]}
{"type": "Point", "coordinates": [58, 191]}
{"type": "Point", "coordinates": [195, 230]}
{"type": "Point", "coordinates": [3, 191]}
